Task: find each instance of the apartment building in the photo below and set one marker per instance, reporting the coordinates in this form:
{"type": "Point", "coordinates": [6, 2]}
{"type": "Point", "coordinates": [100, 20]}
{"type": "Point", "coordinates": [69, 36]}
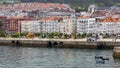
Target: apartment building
{"type": "Point", "coordinates": [53, 24]}
{"type": "Point", "coordinates": [44, 25]}
{"type": "Point", "coordinates": [70, 24]}
{"type": "Point", "coordinates": [2, 23]}
{"type": "Point", "coordinates": [108, 25]}
{"type": "Point", "coordinates": [86, 24]}
{"type": "Point", "coordinates": [30, 26]}
{"type": "Point", "coordinates": [12, 24]}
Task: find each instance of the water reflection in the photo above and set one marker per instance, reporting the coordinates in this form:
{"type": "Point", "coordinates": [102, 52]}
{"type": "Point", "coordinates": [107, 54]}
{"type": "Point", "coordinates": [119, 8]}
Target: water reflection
{"type": "Point", "coordinates": [20, 57]}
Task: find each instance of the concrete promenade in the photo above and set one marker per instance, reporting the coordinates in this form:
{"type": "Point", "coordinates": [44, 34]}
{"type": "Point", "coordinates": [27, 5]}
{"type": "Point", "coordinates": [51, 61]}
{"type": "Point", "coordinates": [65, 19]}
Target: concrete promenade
{"type": "Point", "coordinates": [44, 39]}
{"type": "Point", "coordinates": [61, 43]}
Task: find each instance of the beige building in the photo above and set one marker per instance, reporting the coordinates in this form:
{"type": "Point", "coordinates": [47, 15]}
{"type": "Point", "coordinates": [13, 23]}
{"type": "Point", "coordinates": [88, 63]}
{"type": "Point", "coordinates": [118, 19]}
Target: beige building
{"type": "Point", "coordinates": [30, 26]}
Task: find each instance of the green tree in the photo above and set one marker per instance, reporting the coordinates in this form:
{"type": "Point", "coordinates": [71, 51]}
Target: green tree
{"type": "Point", "coordinates": [83, 35]}
{"type": "Point", "coordinates": [49, 35]}
{"type": "Point", "coordinates": [89, 34]}
{"type": "Point", "coordinates": [60, 35]}
{"type": "Point", "coordinates": [66, 36]}
{"type": "Point", "coordinates": [37, 34]}
{"type": "Point", "coordinates": [15, 35]}
{"type": "Point", "coordinates": [22, 34]}
{"type": "Point", "coordinates": [2, 33]}
{"type": "Point", "coordinates": [79, 35]}
{"type": "Point", "coordinates": [56, 34]}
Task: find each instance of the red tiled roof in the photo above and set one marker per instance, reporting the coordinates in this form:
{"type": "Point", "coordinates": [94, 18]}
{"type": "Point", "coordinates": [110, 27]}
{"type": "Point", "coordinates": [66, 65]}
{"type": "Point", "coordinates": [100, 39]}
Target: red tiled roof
{"type": "Point", "coordinates": [85, 17]}
{"type": "Point", "coordinates": [33, 6]}
{"type": "Point", "coordinates": [52, 18]}
{"type": "Point", "coordinates": [109, 19]}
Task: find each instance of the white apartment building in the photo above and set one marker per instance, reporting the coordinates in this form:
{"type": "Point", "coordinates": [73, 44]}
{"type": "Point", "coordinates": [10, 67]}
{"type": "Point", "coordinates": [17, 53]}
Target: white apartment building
{"type": "Point", "coordinates": [108, 27]}
{"type": "Point", "coordinates": [45, 25]}
{"type": "Point", "coordinates": [86, 25]}
{"type": "Point", "coordinates": [62, 27]}
{"type": "Point", "coordinates": [53, 26]}
{"type": "Point", "coordinates": [49, 26]}
{"type": "Point", "coordinates": [30, 26]}
{"type": "Point", "coordinates": [118, 27]}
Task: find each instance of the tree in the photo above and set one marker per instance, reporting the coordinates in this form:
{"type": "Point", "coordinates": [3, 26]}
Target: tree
{"type": "Point", "coordinates": [107, 35]}
{"type": "Point", "coordinates": [83, 35]}
{"type": "Point", "coordinates": [30, 35]}
{"type": "Point", "coordinates": [15, 35]}
{"type": "Point", "coordinates": [23, 34]}
{"type": "Point", "coordinates": [50, 35]}
{"type": "Point", "coordinates": [56, 35]}
{"type": "Point", "coordinates": [77, 9]}
{"type": "Point", "coordinates": [60, 35]}
{"type": "Point", "coordinates": [73, 36]}
{"type": "Point", "coordinates": [2, 33]}
{"type": "Point", "coordinates": [37, 34]}
{"type": "Point", "coordinates": [79, 35]}
{"type": "Point", "coordinates": [89, 34]}
{"type": "Point", "coordinates": [66, 36]}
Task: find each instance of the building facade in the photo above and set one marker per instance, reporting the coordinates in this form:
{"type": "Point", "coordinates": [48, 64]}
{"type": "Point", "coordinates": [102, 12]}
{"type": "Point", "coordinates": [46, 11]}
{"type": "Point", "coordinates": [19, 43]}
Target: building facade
{"type": "Point", "coordinates": [107, 27]}
{"type": "Point", "coordinates": [86, 25]}
{"type": "Point", "coordinates": [30, 26]}
{"type": "Point", "coordinates": [44, 25]}
{"type": "Point", "coordinates": [12, 25]}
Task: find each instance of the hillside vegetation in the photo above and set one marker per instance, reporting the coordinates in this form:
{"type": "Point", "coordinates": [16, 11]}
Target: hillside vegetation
{"type": "Point", "coordinates": [80, 2]}
{"type": "Point", "coordinates": [80, 5]}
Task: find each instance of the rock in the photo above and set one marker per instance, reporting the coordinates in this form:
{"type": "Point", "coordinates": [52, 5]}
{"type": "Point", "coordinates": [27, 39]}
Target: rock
{"type": "Point", "coordinates": [116, 52]}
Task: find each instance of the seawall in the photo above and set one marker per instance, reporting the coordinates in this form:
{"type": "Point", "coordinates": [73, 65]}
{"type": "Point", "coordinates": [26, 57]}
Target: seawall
{"type": "Point", "coordinates": [58, 43]}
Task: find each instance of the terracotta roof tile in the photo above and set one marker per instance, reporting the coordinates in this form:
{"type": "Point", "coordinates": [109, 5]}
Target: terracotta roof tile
{"type": "Point", "coordinates": [109, 19]}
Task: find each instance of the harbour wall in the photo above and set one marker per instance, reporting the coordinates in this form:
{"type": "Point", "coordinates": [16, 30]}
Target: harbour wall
{"type": "Point", "coordinates": [58, 43]}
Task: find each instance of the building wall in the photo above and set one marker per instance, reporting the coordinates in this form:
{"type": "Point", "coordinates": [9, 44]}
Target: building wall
{"type": "Point", "coordinates": [30, 26]}
{"type": "Point", "coordinates": [41, 26]}
{"type": "Point", "coordinates": [86, 25]}
{"type": "Point", "coordinates": [118, 27]}
{"type": "Point", "coordinates": [108, 27]}
{"type": "Point", "coordinates": [70, 26]}
{"type": "Point", "coordinates": [2, 20]}
{"type": "Point", "coordinates": [52, 26]}
{"type": "Point", "coordinates": [11, 25]}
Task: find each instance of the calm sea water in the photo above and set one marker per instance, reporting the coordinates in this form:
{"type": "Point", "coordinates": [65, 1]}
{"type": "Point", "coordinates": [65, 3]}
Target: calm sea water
{"type": "Point", "coordinates": [25, 57]}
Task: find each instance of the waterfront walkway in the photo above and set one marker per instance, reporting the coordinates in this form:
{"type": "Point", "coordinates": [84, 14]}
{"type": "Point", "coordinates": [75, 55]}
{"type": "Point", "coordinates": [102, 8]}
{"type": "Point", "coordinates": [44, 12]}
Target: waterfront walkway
{"type": "Point", "coordinates": [64, 43]}
{"type": "Point", "coordinates": [46, 39]}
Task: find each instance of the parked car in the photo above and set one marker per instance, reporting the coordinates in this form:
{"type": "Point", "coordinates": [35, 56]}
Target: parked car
{"type": "Point", "coordinates": [91, 39]}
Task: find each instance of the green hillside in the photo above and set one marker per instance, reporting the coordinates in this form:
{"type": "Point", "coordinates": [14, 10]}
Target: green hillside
{"type": "Point", "coordinates": [80, 5]}
{"type": "Point", "coordinates": [80, 2]}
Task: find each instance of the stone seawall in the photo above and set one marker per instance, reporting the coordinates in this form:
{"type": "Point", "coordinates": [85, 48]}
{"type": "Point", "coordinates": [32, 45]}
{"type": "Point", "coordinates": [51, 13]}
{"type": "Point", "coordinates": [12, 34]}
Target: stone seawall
{"type": "Point", "coordinates": [58, 43]}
